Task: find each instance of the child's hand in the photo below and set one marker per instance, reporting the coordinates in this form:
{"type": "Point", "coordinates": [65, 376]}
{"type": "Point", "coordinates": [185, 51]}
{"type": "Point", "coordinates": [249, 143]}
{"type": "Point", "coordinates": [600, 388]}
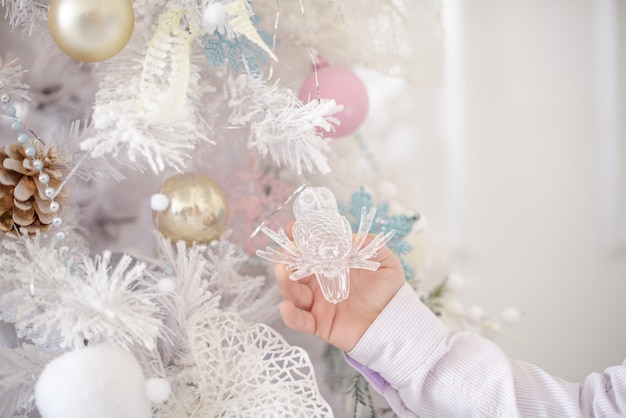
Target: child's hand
{"type": "Point", "coordinates": [343, 324]}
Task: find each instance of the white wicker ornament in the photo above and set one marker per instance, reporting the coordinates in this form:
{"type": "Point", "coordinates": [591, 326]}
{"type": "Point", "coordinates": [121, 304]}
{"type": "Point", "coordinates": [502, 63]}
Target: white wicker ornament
{"type": "Point", "coordinates": [323, 243]}
{"type": "Point", "coordinates": [253, 372]}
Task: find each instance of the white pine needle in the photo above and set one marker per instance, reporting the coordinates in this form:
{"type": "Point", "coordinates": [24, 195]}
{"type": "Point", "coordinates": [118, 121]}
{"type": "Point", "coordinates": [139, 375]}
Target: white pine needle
{"type": "Point", "coordinates": [281, 125]}
{"type": "Point", "coordinates": [19, 370]}
{"type": "Point", "coordinates": [150, 94]}
{"type": "Point", "coordinates": [58, 301]}
{"type": "Point", "coordinates": [11, 74]}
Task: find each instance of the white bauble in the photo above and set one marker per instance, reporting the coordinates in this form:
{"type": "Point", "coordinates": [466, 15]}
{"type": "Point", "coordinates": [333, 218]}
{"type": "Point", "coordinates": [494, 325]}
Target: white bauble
{"type": "Point", "coordinates": [97, 382]}
{"type": "Point", "coordinates": [510, 315]}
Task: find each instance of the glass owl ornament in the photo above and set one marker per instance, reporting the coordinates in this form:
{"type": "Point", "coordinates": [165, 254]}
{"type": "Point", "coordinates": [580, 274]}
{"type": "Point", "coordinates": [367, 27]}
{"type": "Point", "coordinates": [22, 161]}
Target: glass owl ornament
{"type": "Point", "coordinates": [323, 245]}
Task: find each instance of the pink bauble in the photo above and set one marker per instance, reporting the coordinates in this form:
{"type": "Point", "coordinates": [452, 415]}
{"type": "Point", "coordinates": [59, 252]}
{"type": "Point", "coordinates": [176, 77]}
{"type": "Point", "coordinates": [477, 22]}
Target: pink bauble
{"type": "Point", "coordinates": [347, 89]}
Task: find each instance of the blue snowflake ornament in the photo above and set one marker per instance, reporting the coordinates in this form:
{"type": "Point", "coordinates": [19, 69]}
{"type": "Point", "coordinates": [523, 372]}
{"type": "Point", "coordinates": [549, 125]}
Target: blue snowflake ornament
{"type": "Point", "coordinates": [238, 51]}
{"type": "Point", "coordinates": [383, 222]}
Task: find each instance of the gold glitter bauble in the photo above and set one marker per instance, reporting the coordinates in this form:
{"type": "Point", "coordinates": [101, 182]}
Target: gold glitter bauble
{"type": "Point", "coordinates": [91, 30]}
{"type": "Point", "coordinates": [197, 210]}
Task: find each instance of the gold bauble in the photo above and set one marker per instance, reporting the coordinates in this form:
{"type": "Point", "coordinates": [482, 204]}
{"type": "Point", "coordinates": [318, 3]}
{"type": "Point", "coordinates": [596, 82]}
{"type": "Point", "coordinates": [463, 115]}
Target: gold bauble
{"type": "Point", "coordinates": [91, 30]}
{"type": "Point", "coordinates": [197, 210]}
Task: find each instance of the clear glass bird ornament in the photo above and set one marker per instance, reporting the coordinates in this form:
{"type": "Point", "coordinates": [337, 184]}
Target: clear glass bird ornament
{"type": "Point", "coordinates": [323, 243]}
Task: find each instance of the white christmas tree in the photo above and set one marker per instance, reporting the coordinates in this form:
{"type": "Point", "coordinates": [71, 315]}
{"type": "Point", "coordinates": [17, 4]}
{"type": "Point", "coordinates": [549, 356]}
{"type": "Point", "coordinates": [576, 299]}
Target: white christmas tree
{"type": "Point", "coordinates": [136, 174]}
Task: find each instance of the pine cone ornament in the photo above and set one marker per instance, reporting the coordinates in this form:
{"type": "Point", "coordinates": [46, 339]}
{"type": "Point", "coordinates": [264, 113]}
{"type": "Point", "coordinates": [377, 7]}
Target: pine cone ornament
{"type": "Point", "coordinates": [23, 203]}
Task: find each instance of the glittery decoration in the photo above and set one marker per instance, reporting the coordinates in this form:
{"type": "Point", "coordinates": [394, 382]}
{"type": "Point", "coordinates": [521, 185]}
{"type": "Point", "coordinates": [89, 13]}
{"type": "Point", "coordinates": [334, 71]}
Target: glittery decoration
{"type": "Point", "coordinates": [243, 23]}
{"type": "Point", "coordinates": [322, 243]}
{"type": "Point", "coordinates": [253, 197]}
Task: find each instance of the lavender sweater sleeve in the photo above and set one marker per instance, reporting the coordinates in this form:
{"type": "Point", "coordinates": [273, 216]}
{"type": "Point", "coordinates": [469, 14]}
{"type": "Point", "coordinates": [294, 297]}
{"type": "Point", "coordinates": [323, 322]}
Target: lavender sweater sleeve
{"type": "Point", "coordinates": [424, 370]}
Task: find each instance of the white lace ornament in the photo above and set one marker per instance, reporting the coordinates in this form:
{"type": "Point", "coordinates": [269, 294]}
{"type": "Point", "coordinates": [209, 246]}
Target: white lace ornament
{"type": "Point", "coordinates": [323, 243]}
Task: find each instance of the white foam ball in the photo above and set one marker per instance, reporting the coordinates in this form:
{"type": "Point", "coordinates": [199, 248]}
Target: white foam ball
{"type": "Point", "coordinates": [510, 315]}
{"type": "Point", "coordinates": [215, 15]}
{"type": "Point", "coordinates": [421, 224]}
{"type": "Point", "coordinates": [167, 285]}
{"type": "Point", "coordinates": [97, 382]}
{"type": "Point", "coordinates": [475, 314]}
{"type": "Point", "coordinates": [158, 390]}
{"type": "Point", "coordinates": [159, 202]}
{"type": "Point", "coordinates": [455, 283]}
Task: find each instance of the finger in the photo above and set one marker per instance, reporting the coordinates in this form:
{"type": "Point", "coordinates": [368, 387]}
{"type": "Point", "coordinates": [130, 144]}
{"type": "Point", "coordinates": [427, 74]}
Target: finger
{"type": "Point", "coordinates": [299, 293]}
{"type": "Point", "coordinates": [289, 229]}
{"type": "Point", "coordinates": [296, 319]}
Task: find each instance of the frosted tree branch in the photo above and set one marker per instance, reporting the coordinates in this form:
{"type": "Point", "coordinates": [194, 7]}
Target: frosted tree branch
{"type": "Point", "coordinates": [25, 12]}
{"type": "Point", "coordinates": [150, 94]}
{"type": "Point", "coordinates": [281, 125]}
{"type": "Point", "coordinates": [11, 74]}
{"type": "Point", "coordinates": [19, 370]}
{"type": "Point", "coordinates": [60, 301]}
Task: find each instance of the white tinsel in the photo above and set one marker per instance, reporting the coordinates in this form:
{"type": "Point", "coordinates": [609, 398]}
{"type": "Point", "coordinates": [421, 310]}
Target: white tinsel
{"type": "Point", "coordinates": [19, 370]}
{"type": "Point", "coordinates": [11, 74]}
{"type": "Point", "coordinates": [281, 124]}
{"type": "Point", "coordinates": [63, 301]}
{"type": "Point", "coordinates": [150, 94]}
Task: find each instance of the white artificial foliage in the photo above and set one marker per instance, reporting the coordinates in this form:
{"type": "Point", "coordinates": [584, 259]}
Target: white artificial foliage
{"type": "Point", "coordinates": [187, 268]}
{"type": "Point", "coordinates": [11, 74]}
{"type": "Point", "coordinates": [243, 370]}
{"type": "Point", "coordinates": [19, 370]}
{"type": "Point", "coordinates": [281, 125]}
{"type": "Point", "coordinates": [25, 12]}
{"type": "Point", "coordinates": [207, 280]}
{"type": "Point", "coordinates": [239, 292]}
{"type": "Point", "coordinates": [400, 38]}
{"type": "Point", "coordinates": [60, 301]}
{"type": "Point", "coordinates": [150, 94]}
{"type": "Point", "coordinates": [86, 167]}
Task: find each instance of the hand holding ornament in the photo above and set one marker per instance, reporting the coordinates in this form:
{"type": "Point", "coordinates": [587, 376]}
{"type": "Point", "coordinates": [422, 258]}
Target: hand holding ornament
{"type": "Point", "coordinates": [328, 263]}
{"type": "Point", "coordinates": [305, 310]}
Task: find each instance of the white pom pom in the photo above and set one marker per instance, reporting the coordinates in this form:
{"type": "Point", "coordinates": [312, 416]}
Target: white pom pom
{"type": "Point", "coordinates": [167, 285]}
{"type": "Point", "coordinates": [158, 390]}
{"type": "Point", "coordinates": [510, 316]}
{"type": "Point", "coordinates": [97, 382]}
{"type": "Point", "coordinates": [215, 15]}
{"type": "Point", "coordinates": [159, 202]}
{"type": "Point", "coordinates": [421, 224]}
{"type": "Point", "coordinates": [475, 314]}
{"type": "Point", "coordinates": [455, 283]}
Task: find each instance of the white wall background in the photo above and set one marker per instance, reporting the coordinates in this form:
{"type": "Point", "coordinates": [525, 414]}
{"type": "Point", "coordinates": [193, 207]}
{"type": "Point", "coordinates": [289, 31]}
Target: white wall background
{"type": "Point", "coordinates": [519, 165]}
{"type": "Point", "coordinates": [535, 205]}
